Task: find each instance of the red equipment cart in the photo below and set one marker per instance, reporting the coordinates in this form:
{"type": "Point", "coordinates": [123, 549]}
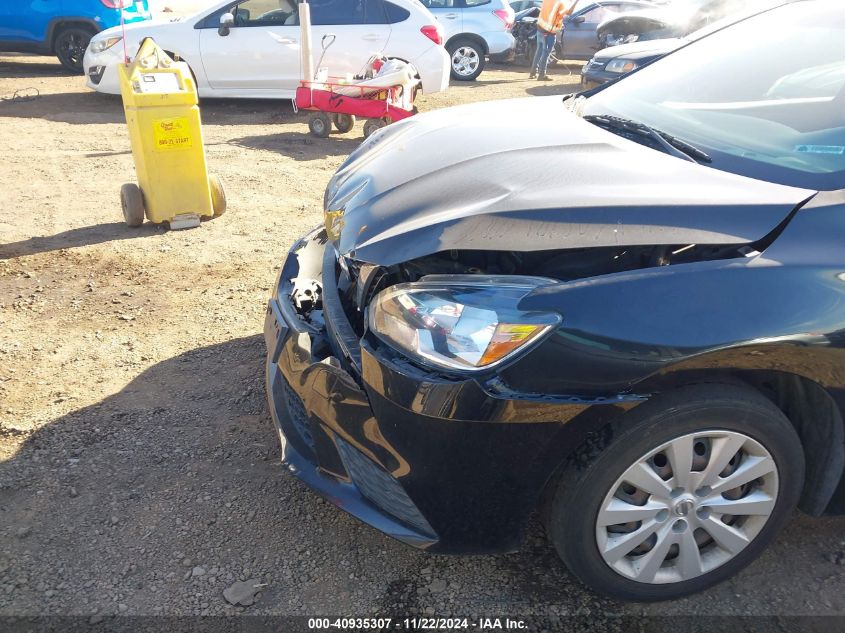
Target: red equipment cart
{"type": "Point", "coordinates": [379, 104]}
{"type": "Point", "coordinates": [383, 93]}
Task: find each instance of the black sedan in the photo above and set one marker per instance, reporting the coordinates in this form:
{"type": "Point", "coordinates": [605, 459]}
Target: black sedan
{"type": "Point", "coordinates": [612, 63]}
{"type": "Point", "coordinates": [626, 311]}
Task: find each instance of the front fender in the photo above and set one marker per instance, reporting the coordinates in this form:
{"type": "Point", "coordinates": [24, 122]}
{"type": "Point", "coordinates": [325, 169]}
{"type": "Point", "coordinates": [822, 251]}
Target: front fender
{"type": "Point", "coordinates": [618, 330]}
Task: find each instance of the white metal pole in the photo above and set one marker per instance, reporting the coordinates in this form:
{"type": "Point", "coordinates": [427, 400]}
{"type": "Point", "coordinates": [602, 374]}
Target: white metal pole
{"type": "Point", "coordinates": [307, 61]}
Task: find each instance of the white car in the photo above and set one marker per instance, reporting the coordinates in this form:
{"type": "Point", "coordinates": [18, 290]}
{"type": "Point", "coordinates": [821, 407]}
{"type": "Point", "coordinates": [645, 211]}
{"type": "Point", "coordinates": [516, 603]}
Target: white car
{"type": "Point", "coordinates": [258, 56]}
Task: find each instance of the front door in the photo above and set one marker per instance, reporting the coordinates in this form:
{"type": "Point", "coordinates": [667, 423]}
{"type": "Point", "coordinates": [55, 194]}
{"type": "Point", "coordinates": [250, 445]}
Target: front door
{"type": "Point", "coordinates": [579, 36]}
{"type": "Point", "coordinates": [259, 53]}
{"type": "Point", "coordinates": [27, 20]}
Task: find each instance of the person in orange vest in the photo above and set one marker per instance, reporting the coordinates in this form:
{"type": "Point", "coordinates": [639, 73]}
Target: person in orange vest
{"type": "Point", "coordinates": [549, 24]}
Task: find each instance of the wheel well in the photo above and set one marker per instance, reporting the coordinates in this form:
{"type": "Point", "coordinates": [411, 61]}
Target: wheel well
{"type": "Point", "coordinates": [817, 419]}
{"type": "Point", "coordinates": [57, 27]}
{"type": "Point", "coordinates": [813, 412]}
{"type": "Point", "coordinates": [178, 58]}
{"type": "Point", "coordinates": [471, 37]}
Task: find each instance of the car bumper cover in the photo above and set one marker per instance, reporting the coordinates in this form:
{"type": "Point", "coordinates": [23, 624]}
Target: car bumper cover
{"type": "Point", "coordinates": [438, 464]}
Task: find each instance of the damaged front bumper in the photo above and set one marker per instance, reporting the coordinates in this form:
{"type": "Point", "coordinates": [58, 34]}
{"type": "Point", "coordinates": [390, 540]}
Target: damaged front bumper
{"type": "Point", "coordinates": [321, 414]}
{"type": "Point", "coordinates": [436, 462]}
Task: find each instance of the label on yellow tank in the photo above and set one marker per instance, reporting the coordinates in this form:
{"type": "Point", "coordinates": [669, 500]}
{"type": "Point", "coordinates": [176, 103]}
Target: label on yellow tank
{"type": "Point", "coordinates": [172, 134]}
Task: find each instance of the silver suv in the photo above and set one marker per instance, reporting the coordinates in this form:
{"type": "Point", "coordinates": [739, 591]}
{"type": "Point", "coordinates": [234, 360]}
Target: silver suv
{"type": "Point", "coordinates": [474, 29]}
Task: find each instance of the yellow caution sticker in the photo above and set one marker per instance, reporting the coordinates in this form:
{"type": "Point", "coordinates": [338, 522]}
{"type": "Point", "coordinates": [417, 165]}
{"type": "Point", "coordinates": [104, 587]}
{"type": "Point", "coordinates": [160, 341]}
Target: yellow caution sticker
{"type": "Point", "coordinates": [172, 134]}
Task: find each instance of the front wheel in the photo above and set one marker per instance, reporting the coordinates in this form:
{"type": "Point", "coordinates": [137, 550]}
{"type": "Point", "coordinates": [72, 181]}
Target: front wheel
{"type": "Point", "coordinates": [320, 125]}
{"type": "Point", "coordinates": [70, 45]}
{"type": "Point", "coordinates": [466, 58]}
{"type": "Point", "coordinates": [691, 488]}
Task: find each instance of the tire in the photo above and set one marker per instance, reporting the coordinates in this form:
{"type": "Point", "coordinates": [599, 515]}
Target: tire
{"type": "Point", "coordinates": [69, 46]}
{"type": "Point", "coordinates": [372, 125]}
{"type": "Point", "coordinates": [703, 423]}
{"type": "Point", "coordinates": [320, 125]}
{"type": "Point", "coordinates": [132, 202]}
{"type": "Point", "coordinates": [343, 122]}
{"type": "Point", "coordinates": [466, 59]}
{"type": "Point", "coordinates": [218, 195]}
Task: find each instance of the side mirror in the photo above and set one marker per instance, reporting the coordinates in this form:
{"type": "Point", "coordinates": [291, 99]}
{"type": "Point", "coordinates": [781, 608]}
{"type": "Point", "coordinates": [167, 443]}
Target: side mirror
{"type": "Point", "coordinates": [578, 19]}
{"type": "Point", "coordinates": [227, 21]}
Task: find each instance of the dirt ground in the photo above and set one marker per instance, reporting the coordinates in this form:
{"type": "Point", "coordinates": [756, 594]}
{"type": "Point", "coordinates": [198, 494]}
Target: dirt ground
{"type": "Point", "coordinates": [139, 470]}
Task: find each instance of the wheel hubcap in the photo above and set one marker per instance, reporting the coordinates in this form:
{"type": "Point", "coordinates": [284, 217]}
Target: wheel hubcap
{"type": "Point", "coordinates": [687, 507]}
{"type": "Point", "coordinates": [465, 60]}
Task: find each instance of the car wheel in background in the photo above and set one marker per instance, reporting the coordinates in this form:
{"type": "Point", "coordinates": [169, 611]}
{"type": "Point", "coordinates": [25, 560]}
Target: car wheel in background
{"type": "Point", "coordinates": [132, 202]}
{"type": "Point", "coordinates": [69, 46]}
{"type": "Point", "coordinates": [690, 488]}
{"type": "Point", "coordinates": [343, 122]}
{"type": "Point", "coordinates": [466, 58]}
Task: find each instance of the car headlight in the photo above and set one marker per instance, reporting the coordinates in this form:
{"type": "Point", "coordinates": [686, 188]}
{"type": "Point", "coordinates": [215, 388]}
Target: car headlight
{"type": "Point", "coordinates": [621, 66]}
{"type": "Point", "coordinates": [98, 46]}
{"type": "Point", "coordinates": [465, 322]}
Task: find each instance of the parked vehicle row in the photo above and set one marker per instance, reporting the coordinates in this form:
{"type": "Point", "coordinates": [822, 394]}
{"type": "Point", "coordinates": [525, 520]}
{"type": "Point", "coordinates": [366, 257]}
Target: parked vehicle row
{"type": "Point", "coordinates": [650, 351]}
{"type": "Point", "coordinates": [578, 40]}
{"type": "Point", "coordinates": [470, 30]}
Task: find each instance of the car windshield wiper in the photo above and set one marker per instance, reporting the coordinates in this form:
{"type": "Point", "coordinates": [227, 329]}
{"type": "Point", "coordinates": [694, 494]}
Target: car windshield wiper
{"type": "Point", "coordinates": [670, 144]}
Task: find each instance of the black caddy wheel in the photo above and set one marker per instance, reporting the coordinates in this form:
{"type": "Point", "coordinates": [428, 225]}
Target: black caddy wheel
{"type": "Point", "coordinates": [343, 122]}
{"type": "Point", "coordinates": [132, 202]}
{"type": "Point", "coordinates": [218, 195]}
{"type": "Point", "coordinates": [466, 58]}
{"type": "Point", "coordinates": [691, 488]}
{"type": "Point", "coordinates": [70, 45]}
{"type": "Point", "coordinates": [372, 125]}
{"type": "Point", "coordinates": [320, 125]}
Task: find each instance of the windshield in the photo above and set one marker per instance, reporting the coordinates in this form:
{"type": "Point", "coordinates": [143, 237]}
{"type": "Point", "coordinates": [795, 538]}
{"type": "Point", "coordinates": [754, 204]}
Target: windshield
{"type": "Point", "coordinates": [765, 98]}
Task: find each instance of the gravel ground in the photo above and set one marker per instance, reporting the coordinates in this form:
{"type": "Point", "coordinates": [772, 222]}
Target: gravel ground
{"type": "Point", "coordinates": [139, 470]}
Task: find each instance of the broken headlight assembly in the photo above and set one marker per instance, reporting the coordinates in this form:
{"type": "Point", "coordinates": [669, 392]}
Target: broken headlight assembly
{"type": "Point", "coordinates": [463, 322]}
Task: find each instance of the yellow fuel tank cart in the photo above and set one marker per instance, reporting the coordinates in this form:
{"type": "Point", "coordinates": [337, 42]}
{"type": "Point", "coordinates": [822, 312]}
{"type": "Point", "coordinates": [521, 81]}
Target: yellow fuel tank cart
{"type": "Point", "coordinates": [162, 112]}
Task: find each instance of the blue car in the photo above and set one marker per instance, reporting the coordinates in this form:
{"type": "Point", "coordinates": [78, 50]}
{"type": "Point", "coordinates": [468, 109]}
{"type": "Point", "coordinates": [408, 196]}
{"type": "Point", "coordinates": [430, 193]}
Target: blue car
{"type": "Point", "coordinates": [62, 27]}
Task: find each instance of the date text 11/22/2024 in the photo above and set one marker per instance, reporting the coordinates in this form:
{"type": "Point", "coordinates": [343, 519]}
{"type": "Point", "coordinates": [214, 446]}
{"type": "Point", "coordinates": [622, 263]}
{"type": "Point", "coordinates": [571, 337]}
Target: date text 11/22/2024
{"type": "Point", "coordinates": [417, 624]}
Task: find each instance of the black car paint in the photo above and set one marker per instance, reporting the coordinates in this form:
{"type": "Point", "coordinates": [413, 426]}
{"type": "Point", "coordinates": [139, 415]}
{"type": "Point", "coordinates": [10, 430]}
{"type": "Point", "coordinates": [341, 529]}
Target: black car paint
{"type": "Point", "coordinates": [474, 452]}
{"type": "Point", "coordinates": [615, 191]}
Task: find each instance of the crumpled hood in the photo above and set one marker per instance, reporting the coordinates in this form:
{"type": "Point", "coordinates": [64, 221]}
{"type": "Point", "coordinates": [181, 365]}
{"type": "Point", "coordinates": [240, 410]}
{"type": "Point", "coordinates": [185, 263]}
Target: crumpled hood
{"type": "Point", "coordinates": [527, 175]}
